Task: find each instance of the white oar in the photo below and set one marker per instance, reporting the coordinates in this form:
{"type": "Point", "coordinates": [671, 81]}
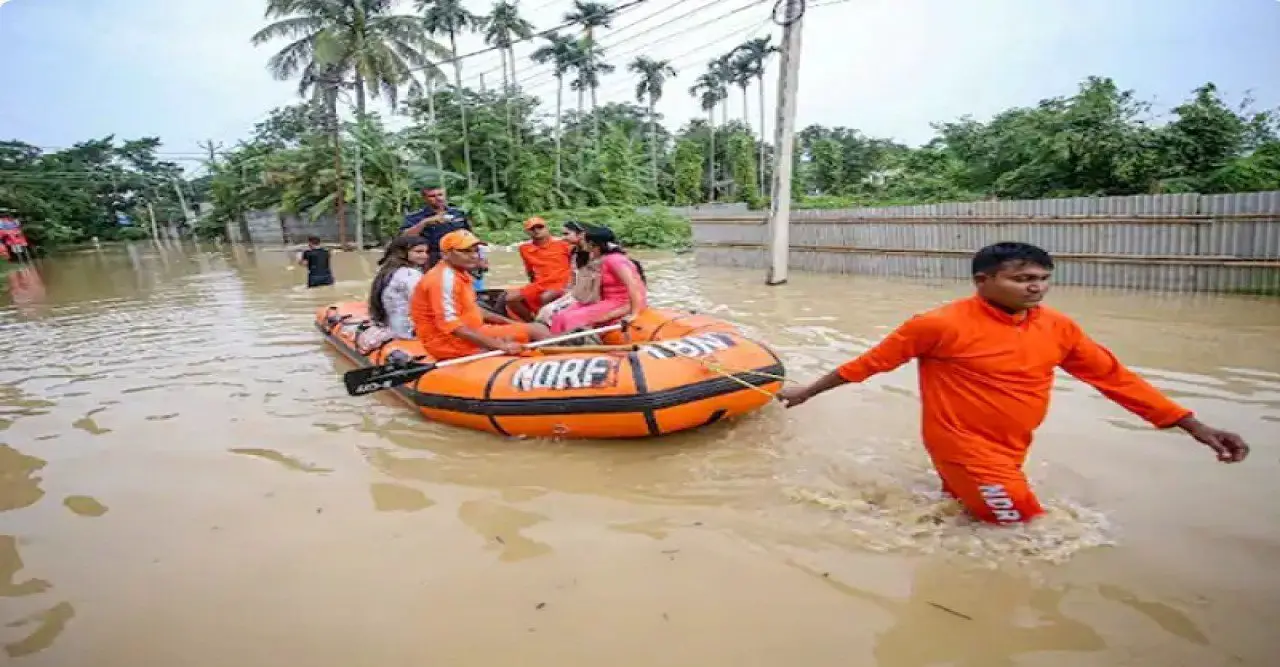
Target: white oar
{"type": "Point", "coordinates": [363, 381]}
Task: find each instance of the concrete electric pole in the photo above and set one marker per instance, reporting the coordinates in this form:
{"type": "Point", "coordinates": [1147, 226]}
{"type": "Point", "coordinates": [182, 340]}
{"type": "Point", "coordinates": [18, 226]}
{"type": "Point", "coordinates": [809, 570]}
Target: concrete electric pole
{"type": "Point", "coordinates": [779, 242]}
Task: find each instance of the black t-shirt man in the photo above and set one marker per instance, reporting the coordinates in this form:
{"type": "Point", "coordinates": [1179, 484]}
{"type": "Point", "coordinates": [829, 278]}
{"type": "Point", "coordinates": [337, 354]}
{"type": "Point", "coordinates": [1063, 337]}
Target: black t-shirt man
{"type": "Point", "coordinates": [316, 259]}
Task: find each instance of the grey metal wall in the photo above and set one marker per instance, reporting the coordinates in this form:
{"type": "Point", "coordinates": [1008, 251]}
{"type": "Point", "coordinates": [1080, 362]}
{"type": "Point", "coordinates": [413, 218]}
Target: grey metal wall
{"type": "Point", "coordinates": [1168, 242]}
{"type": "Point", "coordinates": [271, 227]}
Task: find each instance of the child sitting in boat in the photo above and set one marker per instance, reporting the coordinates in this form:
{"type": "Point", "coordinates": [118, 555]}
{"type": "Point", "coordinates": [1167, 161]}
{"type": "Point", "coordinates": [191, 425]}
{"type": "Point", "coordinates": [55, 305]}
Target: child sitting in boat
{"type": "Point", "coordinates": [547, 261]}
{"type": "Point", "coordinates": [609, 288]}
{"type": "Point", "coordinates": [401, 269]}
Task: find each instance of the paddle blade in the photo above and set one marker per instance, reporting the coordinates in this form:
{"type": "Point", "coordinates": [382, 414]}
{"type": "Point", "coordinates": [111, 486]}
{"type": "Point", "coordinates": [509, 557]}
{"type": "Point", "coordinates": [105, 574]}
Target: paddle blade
{"type": "Point", "coordinates": [363, 381]}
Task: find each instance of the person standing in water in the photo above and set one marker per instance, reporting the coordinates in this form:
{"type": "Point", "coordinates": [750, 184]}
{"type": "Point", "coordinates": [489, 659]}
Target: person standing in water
{"type": "Point", "coordinates": [986, 366]}
{"type": "Point", "coordinates": [316, 259]}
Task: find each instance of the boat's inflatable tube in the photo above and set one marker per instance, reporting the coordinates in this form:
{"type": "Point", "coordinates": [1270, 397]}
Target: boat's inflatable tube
{"type": "Point", "coordinates": [686, 370]}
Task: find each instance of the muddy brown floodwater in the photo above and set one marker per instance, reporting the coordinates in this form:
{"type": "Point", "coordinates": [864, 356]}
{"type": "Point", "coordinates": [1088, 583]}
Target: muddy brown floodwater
{"type": "Point", "coordinates": [184, 481]}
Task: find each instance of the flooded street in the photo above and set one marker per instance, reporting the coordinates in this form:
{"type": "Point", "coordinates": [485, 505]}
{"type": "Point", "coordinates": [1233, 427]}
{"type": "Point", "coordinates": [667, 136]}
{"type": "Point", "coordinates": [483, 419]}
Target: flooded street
{"type": "Point", "coordinates": [185, 482]}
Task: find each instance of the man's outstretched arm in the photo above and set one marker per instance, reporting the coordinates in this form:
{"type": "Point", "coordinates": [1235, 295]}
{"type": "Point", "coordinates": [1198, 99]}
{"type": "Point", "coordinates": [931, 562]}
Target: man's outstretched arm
{"type": "Point", "coordinates": [913, 338]}
{"type": "Point", "coordinates": [1096, 365]}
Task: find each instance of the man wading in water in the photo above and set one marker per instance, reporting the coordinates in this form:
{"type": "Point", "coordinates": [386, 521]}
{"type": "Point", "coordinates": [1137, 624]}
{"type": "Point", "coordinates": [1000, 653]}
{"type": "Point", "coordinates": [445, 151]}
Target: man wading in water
{"type": "Point", "coordinates": [986, 366]}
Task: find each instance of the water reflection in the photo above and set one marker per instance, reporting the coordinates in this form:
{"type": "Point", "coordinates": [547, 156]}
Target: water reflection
{"type": "Point", "coordinates": [971, 618]}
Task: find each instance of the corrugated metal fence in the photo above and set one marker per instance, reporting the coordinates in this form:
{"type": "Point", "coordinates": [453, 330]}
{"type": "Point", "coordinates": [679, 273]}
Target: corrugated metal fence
{"type": "Point", "coordinates": [1182, 242]}
{"type": "Point", "coordinates": [272, 227]}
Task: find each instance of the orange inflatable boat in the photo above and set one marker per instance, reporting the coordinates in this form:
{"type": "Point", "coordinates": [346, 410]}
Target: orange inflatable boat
{"type": "Point", "coordinates": [667, 372]}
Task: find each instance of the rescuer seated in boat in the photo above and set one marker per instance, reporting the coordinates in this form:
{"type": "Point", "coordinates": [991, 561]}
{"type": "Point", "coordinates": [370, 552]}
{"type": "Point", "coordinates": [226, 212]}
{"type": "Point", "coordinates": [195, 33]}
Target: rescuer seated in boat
{"type": "Point", "coordinates": [548, 263]}
{"type": "Point", "coordinates": [572, 233]}
{"type": "Point", "coordinates": [446, 316]}
{"type": "Point", "coordinates": [401, 269]}
{"type": "Point", "coordinates": [609, 288]}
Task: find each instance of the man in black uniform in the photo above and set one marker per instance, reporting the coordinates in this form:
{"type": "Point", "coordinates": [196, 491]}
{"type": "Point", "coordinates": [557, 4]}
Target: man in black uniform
{"type": "Point", "coordinates": [436, 219]}
{"type": "Point", "coordinates": [316, 259]}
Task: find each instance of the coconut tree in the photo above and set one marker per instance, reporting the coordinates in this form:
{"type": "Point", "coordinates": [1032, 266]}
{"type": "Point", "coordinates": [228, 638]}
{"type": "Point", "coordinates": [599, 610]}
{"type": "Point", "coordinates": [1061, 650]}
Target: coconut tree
{"type": "Point", "coordinates": [710, 91]}
{"type": "Point", "coordinates": [361, 39]}
{"type": "Point", "coordinates": [591, 15]}
{"type": "Point", "coordinates": [752, 55]}
{"type": "Point", "coordinates": [562, 52]}
{"type": "Point", "coordinates": [336, 43]}
{"type": "Point", "coordinates": [449, 17]}
{"type": "Point", "coordinates": [653, 76]}
{"type": "Point", "coordinates": [502, 28]}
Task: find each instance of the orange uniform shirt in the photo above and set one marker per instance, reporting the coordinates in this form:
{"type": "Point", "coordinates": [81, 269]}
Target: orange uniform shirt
{"type": "Point", "coordinates": [550, 264]}
{"type": "Point", "coordinates": [985, 377]}
{"type": "Point", "coordinates": [444, 300]}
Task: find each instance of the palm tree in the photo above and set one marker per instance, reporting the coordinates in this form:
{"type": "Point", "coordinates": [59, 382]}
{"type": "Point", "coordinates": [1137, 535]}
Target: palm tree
{"type": "Point", "coordinates": [562, 52]}
{"type": "Point", "coordinates": [751, 58]}
{"type": "Point", "coordinates": [502, 27]}
{"type": "Point", "coordinates": [449, 17]}
{"type": "Point", "coordinates": [710, 91]}
{"type": "Point", "coordinates": [722, 70]}
{"type": "Point", "coordinates": [591, 15]}
{"type": "Point", "coordinates": [334, 39]}
{"type": "Point", "coordinates": [590, 65]}
{"type": "Point", "coordinates": [653, 75]}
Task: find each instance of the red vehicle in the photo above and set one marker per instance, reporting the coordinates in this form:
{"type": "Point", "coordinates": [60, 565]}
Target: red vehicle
{"type": "Point", "coordinates": [13, 243]}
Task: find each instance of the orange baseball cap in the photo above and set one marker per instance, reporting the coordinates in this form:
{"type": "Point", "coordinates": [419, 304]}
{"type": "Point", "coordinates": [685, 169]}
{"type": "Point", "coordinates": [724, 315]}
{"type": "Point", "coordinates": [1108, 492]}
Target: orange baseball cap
{"type": "Point", "coordinates": [459, 239]}
{"type": "Point", "coordinates": [531, 222]}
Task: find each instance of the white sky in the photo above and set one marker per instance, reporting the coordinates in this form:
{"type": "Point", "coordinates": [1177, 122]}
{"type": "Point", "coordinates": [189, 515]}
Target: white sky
{"type": "Point", "coordinates": [185, 70]}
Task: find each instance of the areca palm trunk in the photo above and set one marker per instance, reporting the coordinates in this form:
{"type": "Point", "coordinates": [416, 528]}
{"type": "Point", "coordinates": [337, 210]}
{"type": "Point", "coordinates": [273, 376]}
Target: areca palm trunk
{"type": "Point", "coordinates": [506, 93]}
{"type": "Point", "coordinates": [582, 106]}
{"type": "Point", "coordinates": [559, 107]}
{"type": "Point", "coordinates": [462, 105]}
{"type": "Point", "coordinates": [595, 120]}
{"type": "Point", "coordinates": [653, 141]}
{"type": "Point", "coordinates": [341, 205]}
{"type": "Point", "coordinates": [760, 90]}
{"type": "Point", "coordinates": [711, 156]}
{"type": "Point", "coordinates": [431, 115]}
{"type": "Point", "coordinates": [515, 88]}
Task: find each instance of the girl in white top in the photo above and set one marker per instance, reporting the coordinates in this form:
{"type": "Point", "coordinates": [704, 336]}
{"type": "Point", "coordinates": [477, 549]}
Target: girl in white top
{"type": "Point", "coordinates": [401, 269]}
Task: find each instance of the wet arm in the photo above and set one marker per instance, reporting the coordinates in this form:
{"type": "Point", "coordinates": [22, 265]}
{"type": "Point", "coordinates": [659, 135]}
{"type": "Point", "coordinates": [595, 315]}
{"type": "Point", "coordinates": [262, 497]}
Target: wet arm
{"type": "Point", "coordinates": [494, 318]}
{"type": "Point", "coordinates": [1096, 365]}
{"type": "Point", "coordinates": [471, 335]}
{"type": "Point", "coordinates": [915, 337]}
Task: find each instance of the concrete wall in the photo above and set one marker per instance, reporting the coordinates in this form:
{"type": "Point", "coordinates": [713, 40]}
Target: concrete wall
{"type": "Point", "coordinates": [1169, 242]}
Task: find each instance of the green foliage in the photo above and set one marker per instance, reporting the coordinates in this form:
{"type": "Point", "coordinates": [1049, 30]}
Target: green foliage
{"type": "Point", "coordinates": [636, 228]}
{"type": "Point", "coordinates": [73, 195]}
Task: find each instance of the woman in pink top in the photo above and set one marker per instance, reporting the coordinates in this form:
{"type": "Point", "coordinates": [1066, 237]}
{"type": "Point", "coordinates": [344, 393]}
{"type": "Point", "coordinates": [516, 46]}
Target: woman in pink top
{"type": "Point", "coordinates": [610, 287]}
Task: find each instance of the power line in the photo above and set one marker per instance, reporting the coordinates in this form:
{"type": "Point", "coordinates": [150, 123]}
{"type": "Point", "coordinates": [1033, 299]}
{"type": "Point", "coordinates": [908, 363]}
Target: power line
{"type": "Point", "coordinates": [612, 32]}
{"type": "Point", "coordinates": [448, 61]}
{"type": "Point", "coordinates": [540, 79]}
{"type": "Point", "coordinates": [753, 28]}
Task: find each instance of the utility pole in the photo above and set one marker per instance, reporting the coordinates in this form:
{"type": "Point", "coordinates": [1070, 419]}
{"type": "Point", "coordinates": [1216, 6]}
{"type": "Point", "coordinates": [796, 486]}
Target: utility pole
{"type": "Point", "coordinates": [155, 233]}
{"type": "Point", "coordinates": [784, 141]}
{"type": "Point", "coordinates": [182, 200]}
